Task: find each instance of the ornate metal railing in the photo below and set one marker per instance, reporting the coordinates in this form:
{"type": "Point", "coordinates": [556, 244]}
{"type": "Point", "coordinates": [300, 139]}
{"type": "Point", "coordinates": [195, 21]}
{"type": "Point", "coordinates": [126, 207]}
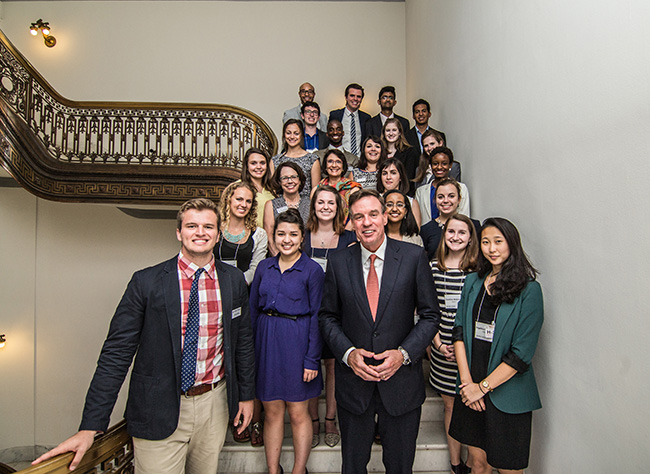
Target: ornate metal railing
{"type": "Point", "coordinates": [117, 151]}
{"type": "Point", "coordinates": [111, 453]}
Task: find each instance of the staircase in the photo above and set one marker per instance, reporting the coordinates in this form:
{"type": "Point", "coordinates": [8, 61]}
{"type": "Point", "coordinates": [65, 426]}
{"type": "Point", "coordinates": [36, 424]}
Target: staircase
{"type": "Point", "coordinates": [431, 455]}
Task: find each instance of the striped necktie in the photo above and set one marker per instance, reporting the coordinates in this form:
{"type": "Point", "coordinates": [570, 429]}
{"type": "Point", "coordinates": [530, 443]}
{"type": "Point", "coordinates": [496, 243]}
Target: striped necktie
{"type": "Point", "coordinates": [354, 149]}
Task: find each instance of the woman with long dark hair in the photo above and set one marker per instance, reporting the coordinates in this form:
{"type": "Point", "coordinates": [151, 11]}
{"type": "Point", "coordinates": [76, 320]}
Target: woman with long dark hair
{"type": "Point", "coordinates": [256, 172]}
{"type": "Point", "coordinates": [495, 335]}
{"type": "Point", "coordinates": [401, 224]}
{"type": "Point", "coordinates": [373, 152]}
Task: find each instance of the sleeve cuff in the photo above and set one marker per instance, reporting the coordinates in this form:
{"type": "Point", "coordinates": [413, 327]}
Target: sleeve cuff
{"type": "Point", "coordinates": [347, 354]}
{"type": "Point", "coordinates": [457, 334]}
{"type": "Point", "coordinates": [515, 362]}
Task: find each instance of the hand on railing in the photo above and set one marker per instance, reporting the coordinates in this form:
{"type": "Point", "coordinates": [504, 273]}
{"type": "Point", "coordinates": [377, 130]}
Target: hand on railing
{"type": "Point", "coordinates": [78, 444]}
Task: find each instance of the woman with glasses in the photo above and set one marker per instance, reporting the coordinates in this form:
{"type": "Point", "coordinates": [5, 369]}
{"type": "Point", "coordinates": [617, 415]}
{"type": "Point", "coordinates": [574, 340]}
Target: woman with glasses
{"type": "Point", "coordinates": [288, 181]}
{"type": "Point", "coordinates": [401, 223]}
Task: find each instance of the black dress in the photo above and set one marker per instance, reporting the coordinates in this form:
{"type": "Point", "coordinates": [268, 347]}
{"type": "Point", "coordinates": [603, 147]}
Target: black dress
{"type": "Point", "coordinates": [504, 437]}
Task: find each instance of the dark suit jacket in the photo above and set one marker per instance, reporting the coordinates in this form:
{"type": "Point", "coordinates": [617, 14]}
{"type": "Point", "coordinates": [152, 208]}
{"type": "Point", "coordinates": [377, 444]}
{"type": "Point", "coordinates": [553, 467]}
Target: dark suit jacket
{"type": "Point", "coordinates": [412, 138]}
{"type": "Point", "coordinates": [323, 140]}
{"type": "Point", "coordinates": [148, 322]}
{"type": "Point", "coordinates": [373, 126]}
{"type": "Point", "coordinates": [346, 321]}
{"type": "Point", "coordinates": [363, 118]}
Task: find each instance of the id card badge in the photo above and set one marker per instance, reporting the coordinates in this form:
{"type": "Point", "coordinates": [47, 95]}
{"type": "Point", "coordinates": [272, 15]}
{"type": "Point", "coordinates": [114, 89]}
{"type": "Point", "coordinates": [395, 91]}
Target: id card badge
{"type": "Point", "coordinates": [484, 331]}
{"type": "Point", "coordinates": [451, 300]}
{"type": "Point", "coordinates": [321, 261]}
{"type": "Point", "coordinates": [282, 209]}
{"type": "Point", "coordinates": [232, 263]}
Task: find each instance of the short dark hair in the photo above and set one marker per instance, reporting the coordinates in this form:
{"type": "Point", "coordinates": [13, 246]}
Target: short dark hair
{"type": "Point", "coordinates": [422, 102]}
{"type": "Point", "coordinates": [340, 155]}
{"type": "Point", "coordinates": [276, 176]}
{"type": "Point", "coordinates": [199, 204]}
{"type": "Point", "coordinates": [290, 216]}
{"type": "Point", "coordinates": [354, 197]}
{"type": "Point", "coordinates": [409, 225]}
{"type": "Point", "coordinates": [390, 89]}
{"type": "Point", "coordinates": [309, 103]}
{"type": "Point", "coordinates": [404, 184]}
{"type": "Point", "coordinates": [354, 85]}
{"type": "Point", "coordinates": [444, 150]}
{"type": "Point", "coordinates": [516, 271]}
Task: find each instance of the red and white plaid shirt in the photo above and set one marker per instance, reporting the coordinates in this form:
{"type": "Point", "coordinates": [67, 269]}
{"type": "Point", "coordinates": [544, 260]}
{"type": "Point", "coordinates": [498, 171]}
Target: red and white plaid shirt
{"type": "Point", "coordinates": [209, 360]}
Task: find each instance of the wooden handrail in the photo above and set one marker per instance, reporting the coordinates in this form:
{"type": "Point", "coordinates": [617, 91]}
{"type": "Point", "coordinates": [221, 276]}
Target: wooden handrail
{"type": "Point", "coordinates": [122, 152]}
{"type": "Point", "coordinates": [111, 453]}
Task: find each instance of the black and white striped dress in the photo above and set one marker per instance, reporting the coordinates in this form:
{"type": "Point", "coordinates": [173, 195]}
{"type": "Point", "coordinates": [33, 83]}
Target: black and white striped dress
{"type": "Point", "coordinates": [442, 373]}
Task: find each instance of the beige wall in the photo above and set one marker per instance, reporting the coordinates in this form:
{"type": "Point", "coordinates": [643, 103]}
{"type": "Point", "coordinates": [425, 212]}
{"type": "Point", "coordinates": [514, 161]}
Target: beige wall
{"type": "Point", "coordinates": [546, 105]}
{"type": "Point", "coordinates": [70, 263]}
{"type": "Point", "coordinates": [250, 54]}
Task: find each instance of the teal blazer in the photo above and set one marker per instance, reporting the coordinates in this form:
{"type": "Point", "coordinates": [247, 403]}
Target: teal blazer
{"type": "Point", "coordinates": [517, 328]}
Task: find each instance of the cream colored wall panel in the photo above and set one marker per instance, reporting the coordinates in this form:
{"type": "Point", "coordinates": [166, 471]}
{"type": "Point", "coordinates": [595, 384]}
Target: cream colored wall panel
{"type": "Point", "coordinates": [17, 266]}
{"type": "Point", "coordinates": [86, 255]}
{"type": "Point", "coordinates": [250, 54]}
{"type": "Point", "coordinates": [545, 103]}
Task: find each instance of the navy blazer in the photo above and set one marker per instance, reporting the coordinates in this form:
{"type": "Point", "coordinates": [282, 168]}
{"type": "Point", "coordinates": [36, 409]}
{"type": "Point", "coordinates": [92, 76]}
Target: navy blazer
{"type": "Point", "coordinates": [516, 329]}
{"type": "Point", "coordinates": [374, 126]}
{"type": "Point", "coordinates": [346, 321]}
{"type": "Point", "coordinates": [147, 324]}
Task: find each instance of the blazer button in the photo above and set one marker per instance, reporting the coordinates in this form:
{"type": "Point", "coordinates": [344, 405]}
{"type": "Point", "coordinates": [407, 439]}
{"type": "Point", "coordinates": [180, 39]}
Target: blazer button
{"type": "Point", "coordinates": [374, 334]}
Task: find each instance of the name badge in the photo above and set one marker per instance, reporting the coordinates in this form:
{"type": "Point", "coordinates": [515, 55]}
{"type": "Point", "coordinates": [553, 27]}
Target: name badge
{"type": "Point", "coordinates": [321, 261]}
{"type": "Point", "coordinates": [451, 300]}
{"type": "Point", "coordinates": [232, 263]}
{"type": "Point", "coordinates": [484, 331]}
{"type": "Point", "coordinates": [282, 209]}
{"type": "Point", "coordinates": [236, 312]}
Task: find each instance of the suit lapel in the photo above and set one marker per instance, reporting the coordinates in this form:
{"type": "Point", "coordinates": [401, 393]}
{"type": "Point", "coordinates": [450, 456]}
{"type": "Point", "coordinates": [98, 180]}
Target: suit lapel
{"type": "Point", "coordinates": [357, 282]}
{"type": "Point", "coordinates": [392, 261]}
{"type": "Point", "coordinates": [468, 332]}
{"type": "Point", "coordinates": [172, 295]}
{"type": "Point", "coordinates": [503, 314]}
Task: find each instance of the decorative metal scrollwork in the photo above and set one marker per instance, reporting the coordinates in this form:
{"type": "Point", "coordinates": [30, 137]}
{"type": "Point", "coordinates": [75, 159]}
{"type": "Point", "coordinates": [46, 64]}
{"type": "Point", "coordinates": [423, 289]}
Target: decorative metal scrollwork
{"type": "Point", "coordinates": [118, 152]}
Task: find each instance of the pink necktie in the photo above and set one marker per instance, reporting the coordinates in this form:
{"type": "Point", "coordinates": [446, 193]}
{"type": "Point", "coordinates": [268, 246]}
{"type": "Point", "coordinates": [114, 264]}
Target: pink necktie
{"type": "Point", "coordinates": [372, 287]}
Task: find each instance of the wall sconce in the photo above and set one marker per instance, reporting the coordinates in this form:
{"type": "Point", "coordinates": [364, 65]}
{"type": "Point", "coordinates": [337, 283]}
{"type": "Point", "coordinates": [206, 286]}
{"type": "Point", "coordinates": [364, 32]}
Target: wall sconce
{"type": "Point", "coordinates": [3, 341]}
{"type": "Point", "coordinates": [44, 26]}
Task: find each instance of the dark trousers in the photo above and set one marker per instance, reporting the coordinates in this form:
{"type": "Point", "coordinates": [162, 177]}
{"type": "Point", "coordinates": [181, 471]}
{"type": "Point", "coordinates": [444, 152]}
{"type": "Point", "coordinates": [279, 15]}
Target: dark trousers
{"type": "Point", "coordinates": [398, 438]}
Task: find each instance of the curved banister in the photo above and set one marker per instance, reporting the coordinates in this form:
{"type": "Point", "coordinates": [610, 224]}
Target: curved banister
{"type": "Point", "coordinates": [119, 152]}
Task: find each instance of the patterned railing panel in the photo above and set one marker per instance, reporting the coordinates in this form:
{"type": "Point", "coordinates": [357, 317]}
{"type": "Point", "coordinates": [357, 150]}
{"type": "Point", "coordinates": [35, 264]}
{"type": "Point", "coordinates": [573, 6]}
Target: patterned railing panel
{"type": "Point", "coordinates": [160, 143]}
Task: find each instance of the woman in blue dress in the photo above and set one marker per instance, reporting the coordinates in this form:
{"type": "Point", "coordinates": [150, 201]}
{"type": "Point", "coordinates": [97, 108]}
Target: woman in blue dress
{"type": "Point", "coordinates": [285, 298]}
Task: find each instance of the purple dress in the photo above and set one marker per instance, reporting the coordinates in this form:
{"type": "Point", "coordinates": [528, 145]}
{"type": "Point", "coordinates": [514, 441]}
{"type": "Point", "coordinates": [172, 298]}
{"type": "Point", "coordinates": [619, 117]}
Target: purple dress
{"type": "Point", "coordinates": [283, 346]}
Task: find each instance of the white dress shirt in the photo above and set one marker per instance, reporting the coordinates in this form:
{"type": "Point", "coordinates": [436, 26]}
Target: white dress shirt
{"type": "Point", "coordinates": [347, 118]}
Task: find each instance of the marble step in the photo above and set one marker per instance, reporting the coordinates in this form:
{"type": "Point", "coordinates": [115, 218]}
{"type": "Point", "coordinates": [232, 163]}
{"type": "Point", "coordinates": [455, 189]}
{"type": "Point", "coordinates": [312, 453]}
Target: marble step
{"type": "Point", "coordinates": [431, 455]}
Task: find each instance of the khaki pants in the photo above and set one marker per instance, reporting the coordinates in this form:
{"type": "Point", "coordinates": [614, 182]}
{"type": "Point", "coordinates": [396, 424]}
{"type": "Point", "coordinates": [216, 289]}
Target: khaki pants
{"type": "Point", "coordinates": [195, 445]}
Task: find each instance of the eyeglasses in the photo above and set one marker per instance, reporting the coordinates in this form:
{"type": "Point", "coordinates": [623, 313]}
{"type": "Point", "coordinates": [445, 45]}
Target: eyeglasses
{"type": "Point", "coordinates": [288, 178]}
{"type": "Point", "coordinates": [305, 91]}
{"type": "Point", "coordinates": [398, 205]}
{"type": "Point", "coordinates": [311, 112]}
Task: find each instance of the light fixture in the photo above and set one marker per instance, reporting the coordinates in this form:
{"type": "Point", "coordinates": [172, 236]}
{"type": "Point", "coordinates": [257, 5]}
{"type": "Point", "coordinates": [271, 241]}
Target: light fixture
{"type": "Point", "coordinates": [44, 26]}
{"type": "Point", "coordinates": [3, 341]}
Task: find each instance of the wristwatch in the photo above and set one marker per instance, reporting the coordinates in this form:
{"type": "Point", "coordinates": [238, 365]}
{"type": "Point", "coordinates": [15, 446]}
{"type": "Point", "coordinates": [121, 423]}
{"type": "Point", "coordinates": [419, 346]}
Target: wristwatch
{"type": "Point", "coordinates": [486, 385]}
{"type": "Point", "coordinates": [407, 359]}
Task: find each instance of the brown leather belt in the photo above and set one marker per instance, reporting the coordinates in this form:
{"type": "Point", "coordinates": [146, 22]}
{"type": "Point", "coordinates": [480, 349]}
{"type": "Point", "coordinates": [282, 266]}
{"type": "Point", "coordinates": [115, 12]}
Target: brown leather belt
{"type": "Point", "coordinates": [201, 389]}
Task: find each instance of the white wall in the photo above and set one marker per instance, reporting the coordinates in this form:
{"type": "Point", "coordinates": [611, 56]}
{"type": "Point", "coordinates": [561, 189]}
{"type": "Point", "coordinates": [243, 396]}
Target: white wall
{"type": "Point", "coordinates": [250, 54]}
{"type": "Point", "coordinates": [65, 266]}
{"type": "Point", "coordinates": [546, 103]}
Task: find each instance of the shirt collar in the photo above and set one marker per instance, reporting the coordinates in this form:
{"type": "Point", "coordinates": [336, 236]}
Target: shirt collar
{"type": "Point", "coordinates": [189, 268]}
{"type": "Point", "coordinates": [381, 251]}
{"type": "Point", "coordinates": [298, 266]}
{"type": "Point", "coordinates": [349, 113]}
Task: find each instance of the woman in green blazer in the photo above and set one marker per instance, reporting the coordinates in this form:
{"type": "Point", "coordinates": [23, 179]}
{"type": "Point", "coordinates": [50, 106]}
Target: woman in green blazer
{"type": "Point", "coordinates": [497, 325]}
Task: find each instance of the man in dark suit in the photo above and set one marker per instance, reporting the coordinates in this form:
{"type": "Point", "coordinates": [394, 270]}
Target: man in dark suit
{"type": "Point", "coordinates": [367, 318]}
{"type": "Point", "coordinates": [387, 101]}
{"type": "Point", "coordinates": [421, 116]}
{"type": "Point", "coordinates": [353, 119]}
{"type": "Point", "coordinates": [187, 322]}
{"type": "Point", "coordinates": [315, 139]}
